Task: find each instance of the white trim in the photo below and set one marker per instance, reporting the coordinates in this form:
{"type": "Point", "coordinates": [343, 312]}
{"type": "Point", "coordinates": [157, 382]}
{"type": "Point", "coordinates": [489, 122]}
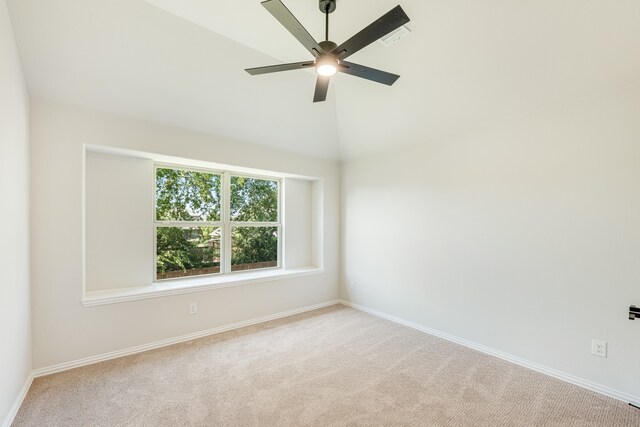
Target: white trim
{"type": "Point", "coordinates": [589, 385]}
{"type": "Point", "coordinates": [188, 224]}
{"type": "Point", "coordinates": [196, 284]}
{"type": "Point", "coordinates": [18, 402]}
{"type": "Point", "coordinates": [83, 290]}
{"type": "Point", "coordinates": [225, 248]}
{"type": "Point", "coordinates": [170, 341]}
{"type": "Point", "coordinates": [282, 218]}
{"type": "Point", "coordinates": [253, 224]}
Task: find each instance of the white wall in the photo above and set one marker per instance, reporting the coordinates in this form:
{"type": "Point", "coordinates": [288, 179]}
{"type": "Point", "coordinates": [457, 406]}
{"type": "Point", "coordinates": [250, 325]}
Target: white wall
{"type": "Point", "coordinates": [15, 311]}
{"type": "Point", "coordinates": [298, 215]}
{"type": "Point", "coordinates": [64, 330]}
{"type": "Point", "coordinates": [524, 238]}
{"type": "Point", "coordinates": [119, 208]}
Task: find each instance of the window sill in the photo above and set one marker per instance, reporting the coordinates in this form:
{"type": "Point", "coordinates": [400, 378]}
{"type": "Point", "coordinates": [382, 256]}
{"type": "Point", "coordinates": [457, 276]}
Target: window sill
{"type": "Point", "coordinates": [196, 284]}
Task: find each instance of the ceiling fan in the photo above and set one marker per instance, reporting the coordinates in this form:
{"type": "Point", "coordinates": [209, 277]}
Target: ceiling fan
{"type": "Point", "coordinates": [329, 57]}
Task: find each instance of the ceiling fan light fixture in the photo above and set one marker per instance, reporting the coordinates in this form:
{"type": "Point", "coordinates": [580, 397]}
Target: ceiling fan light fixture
{"type": "Point", "coordinates": [330, 58]}
{"type": "Point", "coordinates": [327, 66]}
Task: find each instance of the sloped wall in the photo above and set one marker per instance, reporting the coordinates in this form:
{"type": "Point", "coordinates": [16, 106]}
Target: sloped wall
{"type": "Point", "coordinates": [15, 311]}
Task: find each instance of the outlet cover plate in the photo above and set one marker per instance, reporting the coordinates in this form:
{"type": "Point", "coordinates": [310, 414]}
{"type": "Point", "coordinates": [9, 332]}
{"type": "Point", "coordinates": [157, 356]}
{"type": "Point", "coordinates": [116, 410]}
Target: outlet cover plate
{"type": "Point", "coordinates": [599, 348]}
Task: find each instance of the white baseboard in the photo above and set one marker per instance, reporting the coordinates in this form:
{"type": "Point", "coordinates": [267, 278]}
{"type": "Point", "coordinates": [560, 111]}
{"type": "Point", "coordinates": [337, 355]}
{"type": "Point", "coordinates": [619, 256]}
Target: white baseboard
{"type": "Point", "coordinates": [607, 391]}
{"type": "Point", "coordinates": [18, 402]}
{"type": "Point", "coordinates": [635, 400]}
{"type": "Point", "coordinates": [163, 343]}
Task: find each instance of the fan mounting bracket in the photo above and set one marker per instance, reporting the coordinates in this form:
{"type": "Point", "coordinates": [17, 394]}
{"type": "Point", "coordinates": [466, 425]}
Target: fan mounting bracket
{"type": "Point", "coordinates": [331, 4]}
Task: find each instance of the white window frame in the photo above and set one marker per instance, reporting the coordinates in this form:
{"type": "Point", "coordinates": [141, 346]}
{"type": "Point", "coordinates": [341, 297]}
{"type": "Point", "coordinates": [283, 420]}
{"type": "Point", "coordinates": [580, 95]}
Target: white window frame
{"type": "Point", "coordinates": [225, 223]}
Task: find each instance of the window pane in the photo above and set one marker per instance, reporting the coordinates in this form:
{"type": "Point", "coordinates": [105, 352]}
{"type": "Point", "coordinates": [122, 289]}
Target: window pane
{"type": "Point", "coordinates": [187, 251]}
{"type": "Point", "coordinates": [187, 195]}
{"type": "Point", "coordinates": [254, 199]}
{"type": "Point", "coordinates": [254, 247]}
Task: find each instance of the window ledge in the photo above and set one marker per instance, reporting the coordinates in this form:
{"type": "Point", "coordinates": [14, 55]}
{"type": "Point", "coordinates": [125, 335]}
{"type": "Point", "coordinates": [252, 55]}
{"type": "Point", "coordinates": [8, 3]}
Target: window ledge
{"type": "Point", "coordinates": [195, 284]}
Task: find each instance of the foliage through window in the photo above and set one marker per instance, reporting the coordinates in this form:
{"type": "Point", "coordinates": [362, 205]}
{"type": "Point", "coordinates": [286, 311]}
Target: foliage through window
{"type": "Point", "coordinates": [214, 222]}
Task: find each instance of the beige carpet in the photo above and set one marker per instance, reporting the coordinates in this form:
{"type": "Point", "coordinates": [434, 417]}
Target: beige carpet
{"type": "Point", "coordinates": [331, 367]}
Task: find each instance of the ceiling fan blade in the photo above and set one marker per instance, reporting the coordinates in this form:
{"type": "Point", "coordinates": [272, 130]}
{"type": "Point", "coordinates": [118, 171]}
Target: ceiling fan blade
{"type": "Point", "coordinates": [322, 86]}
{"type": "Point", "coordinates": [286, 18]}
{"type": "Point", "coordinates": [377, 29]}
{"type": "Point", "coordinates": [279, 67]}
{"type": "Point", "coordinates": [368, 73]}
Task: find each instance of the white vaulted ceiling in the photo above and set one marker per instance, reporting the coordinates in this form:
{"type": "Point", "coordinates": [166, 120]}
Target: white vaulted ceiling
{"type": "Point", "coordinates": [466, 64]}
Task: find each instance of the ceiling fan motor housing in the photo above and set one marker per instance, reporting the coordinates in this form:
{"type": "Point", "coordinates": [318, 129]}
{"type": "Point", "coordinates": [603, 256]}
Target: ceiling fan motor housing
{"type": "Point", "coordinates": [330, 3]}
{"type": "Point", "coordinates": [327, 46]}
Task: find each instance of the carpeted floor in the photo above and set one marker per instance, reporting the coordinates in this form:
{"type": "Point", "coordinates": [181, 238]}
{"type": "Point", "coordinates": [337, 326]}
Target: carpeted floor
{"type": "Point", "coordinates": [331, 367]}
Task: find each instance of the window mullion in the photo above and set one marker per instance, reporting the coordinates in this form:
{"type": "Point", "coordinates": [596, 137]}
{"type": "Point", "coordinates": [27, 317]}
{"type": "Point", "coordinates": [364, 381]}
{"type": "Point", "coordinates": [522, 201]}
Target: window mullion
{"type": "Point", "coordinates": [226, 222]}
{"type": "Point", "coordinates": [254, 224]}
{"type": "Point", "coordinates": [281, 213]}
{"type": "Point", "coordinates": [188, 223]}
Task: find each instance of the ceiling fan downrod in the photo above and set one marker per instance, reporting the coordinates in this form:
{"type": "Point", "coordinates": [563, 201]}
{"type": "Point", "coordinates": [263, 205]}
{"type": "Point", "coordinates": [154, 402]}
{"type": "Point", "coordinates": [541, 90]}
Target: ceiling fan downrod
{"type": "Point", "coordinates": [327, 7]}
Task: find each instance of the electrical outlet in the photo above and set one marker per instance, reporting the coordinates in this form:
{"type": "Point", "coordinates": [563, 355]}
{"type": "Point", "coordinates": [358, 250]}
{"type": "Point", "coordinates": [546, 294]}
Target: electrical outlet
{"type": "Point", "coordinates": [193, 308]}
{"type": "Point", "coordinates": [599, 348]}
{"type": "Point", "coordinates": [352, 285]}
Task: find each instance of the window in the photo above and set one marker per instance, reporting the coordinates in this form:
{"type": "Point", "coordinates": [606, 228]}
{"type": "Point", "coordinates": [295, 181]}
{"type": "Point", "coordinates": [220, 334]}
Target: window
{"type": "Point", "coordinates": [210, 222]}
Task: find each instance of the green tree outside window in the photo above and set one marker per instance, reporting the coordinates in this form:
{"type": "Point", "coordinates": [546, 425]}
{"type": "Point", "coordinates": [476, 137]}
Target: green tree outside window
{"type": "Point", "coordinates": [191, 197]}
